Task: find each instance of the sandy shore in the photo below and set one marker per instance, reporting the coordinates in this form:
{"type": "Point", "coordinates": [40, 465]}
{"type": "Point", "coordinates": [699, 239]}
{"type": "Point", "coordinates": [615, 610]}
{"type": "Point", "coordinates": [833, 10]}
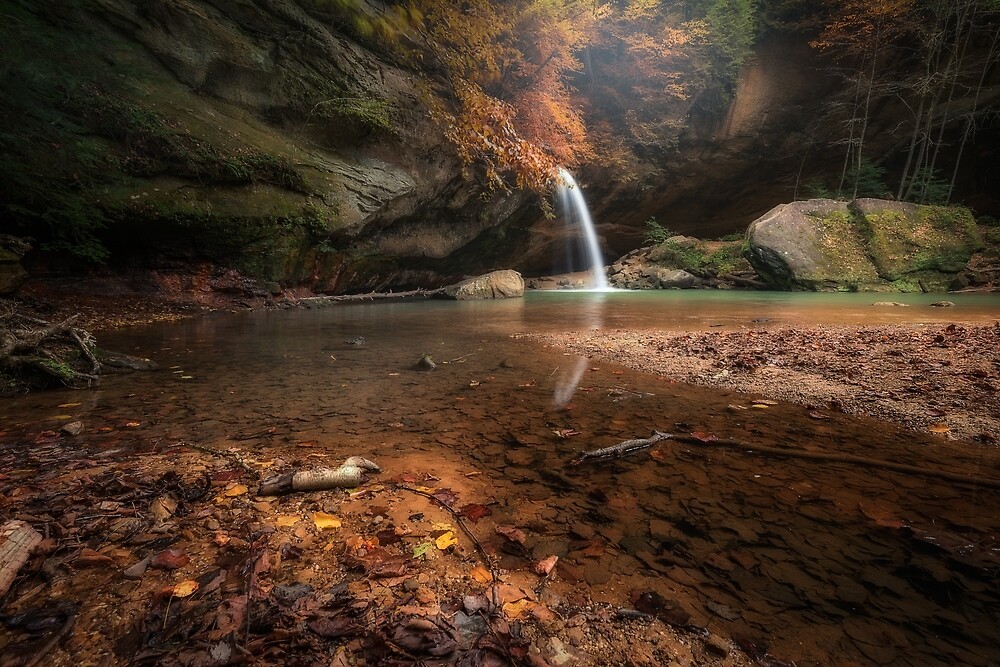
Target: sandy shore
{"type": "Point", "coordinates": [940, 379]}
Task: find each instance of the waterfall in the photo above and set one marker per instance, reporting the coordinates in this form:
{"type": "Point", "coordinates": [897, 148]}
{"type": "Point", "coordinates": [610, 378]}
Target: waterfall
{"type": "Point", "coordinates": [575, 208]}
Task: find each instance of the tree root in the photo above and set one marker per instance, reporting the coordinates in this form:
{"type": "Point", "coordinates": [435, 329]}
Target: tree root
{"type": "Point", "coordinates": [34, 347]}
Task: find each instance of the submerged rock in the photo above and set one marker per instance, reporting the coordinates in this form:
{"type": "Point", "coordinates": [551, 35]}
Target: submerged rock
{"type": "Point", "coordinates": [495, 285]}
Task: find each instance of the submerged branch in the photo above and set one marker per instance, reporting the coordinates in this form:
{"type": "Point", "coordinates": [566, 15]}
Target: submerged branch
{"type": "Point", "coordinates": [632, 446]}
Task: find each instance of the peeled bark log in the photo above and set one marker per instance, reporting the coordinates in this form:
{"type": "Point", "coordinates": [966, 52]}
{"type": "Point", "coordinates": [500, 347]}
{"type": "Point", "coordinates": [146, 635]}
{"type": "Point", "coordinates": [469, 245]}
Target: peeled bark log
{"type": "Point", "coordinates": [349, 475]}
{"type": "Point", "coordinates": [317, 479]}
{"type": "Point", "coordinates": [17, 539]}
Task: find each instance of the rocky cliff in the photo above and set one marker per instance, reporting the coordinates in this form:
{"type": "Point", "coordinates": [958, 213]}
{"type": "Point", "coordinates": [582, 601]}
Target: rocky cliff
{"type": "Point", "coordinates": [266, 136]}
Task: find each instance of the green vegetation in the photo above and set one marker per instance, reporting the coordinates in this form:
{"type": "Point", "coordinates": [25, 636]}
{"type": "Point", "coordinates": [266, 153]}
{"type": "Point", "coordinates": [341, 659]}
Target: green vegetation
{"type": "Point", "coordinates": [656, 233]}
{"type": "Point", "coordinates": [718, 257]}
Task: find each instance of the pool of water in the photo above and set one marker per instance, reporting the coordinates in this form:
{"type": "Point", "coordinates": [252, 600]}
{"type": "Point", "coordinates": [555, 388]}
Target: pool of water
{"type": "Point", "coordinates": [820, 563]}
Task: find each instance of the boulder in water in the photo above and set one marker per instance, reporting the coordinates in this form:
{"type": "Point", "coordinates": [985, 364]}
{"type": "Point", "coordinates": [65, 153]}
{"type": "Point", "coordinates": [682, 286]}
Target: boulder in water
{"type": "Point", "coordinates": [495, 285]}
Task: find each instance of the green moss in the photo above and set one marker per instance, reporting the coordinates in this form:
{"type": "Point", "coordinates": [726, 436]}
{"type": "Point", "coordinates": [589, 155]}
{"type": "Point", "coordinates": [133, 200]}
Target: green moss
{"type": "Point", "coordinates": [924, 239]}
{"type": "Point", "coordinates": [843, 260]}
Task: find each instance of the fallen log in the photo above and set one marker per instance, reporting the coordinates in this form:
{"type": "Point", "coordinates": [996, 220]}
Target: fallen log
{"type": "Point", "coordinates": [371, 296]}
{"type": "Point", "coordinates": [17, 539]}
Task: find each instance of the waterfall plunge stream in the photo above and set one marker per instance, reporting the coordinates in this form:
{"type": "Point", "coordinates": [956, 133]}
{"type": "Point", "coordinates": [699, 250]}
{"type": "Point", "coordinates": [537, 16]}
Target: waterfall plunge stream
{"type": "Point", "coordinates": [575, 209]}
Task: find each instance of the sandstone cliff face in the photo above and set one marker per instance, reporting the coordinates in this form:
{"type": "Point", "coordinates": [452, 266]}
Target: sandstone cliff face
{"type": "Point", "coordinates": [248, 133]}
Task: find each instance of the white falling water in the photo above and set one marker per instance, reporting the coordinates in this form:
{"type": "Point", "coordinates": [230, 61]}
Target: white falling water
{"type": "Point", "coordinates": [575, 208]}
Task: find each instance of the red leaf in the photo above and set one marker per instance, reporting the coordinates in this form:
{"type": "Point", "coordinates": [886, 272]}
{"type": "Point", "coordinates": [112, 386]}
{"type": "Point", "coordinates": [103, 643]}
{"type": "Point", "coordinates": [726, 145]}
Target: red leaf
{"type": "Point", "coordinates": [474, 512]}
{"type": "Point", "coordinates": [170, 559]}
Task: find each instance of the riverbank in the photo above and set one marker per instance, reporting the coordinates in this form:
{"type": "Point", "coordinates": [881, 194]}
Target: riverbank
{"type": "Point", "coordinates": [941, 379]}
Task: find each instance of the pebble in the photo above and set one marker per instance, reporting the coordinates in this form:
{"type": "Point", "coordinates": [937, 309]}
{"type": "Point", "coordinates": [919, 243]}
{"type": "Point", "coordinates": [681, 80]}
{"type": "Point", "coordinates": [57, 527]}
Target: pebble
{"type": "Point", "coordinates": [717, 645]}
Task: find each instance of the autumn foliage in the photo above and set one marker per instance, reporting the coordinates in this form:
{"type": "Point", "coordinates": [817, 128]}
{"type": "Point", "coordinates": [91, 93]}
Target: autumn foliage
{"type": "Point", "coordinates": [525, 86]}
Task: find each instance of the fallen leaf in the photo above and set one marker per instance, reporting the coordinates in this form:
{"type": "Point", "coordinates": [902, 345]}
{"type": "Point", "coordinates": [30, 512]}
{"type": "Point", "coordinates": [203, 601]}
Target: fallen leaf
{"type": "Point", "coordinates": [512, 533]}
{"type": "Point", "coordinates": [285, 520]}
{"type": "Point", "coordinates": [481, 574]}
{"type": "Point", "coordinates": [235, 490]}
{"type": "Point", "coordinates": [819, 415]}
{"type": "Point", "coordinates": [446, 496]}
{"type": "Point", "coordinates": [703, 436]}
{"type": "Point", "coordinates": [474, 512]}
{"type": "Point", "coordinates": [939, 428]}
{"type": "Point", "coordinates": [446, 540]}
{"type": "Point", "coordinates": [68, 405]}
{"type": "Point", "coordinates": [185, 588]}
{"type": "Point", "coordinates": [90, 558]}
{"type": "Point", "coordinates": [324, 520]}
{"type": "Point", "coordinates": [133, 424]}
{"type": "Point", "coordinates": [515, 609]}
{"type": "Point", "coordinates": [759, 406]}
{"type": "Point", "coordinates": [170, 559]}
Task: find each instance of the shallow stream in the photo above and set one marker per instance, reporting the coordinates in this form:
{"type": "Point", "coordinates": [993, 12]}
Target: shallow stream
{"type": "Point", "coordinates": [818, 563]}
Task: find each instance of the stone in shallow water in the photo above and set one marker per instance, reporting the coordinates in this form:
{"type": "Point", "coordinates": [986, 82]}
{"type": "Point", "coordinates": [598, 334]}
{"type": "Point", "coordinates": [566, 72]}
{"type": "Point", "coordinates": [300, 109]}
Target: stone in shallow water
{"type": "Point", "coordinates": [496, 285]}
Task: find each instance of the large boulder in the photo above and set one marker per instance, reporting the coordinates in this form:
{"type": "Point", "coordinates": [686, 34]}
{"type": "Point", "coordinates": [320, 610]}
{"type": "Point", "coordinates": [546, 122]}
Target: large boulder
{"type": "Point", "coordinates": [495, 285]}
{"type": "Point", "coordinates": [865, 245]}
{"type": "Point", "coordinates": [917, 247]}
{"type": "Point", "coordinates": [810, 245]}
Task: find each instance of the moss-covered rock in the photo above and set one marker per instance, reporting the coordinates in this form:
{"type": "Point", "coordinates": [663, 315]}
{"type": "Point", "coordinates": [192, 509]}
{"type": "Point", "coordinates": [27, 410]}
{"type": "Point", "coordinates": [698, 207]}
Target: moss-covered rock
{"type": "Point", "coordinates": [917, 248]}
{"type": "Point", "coordinates": [811, 245]}
{"type": "Point", "coordinates": [865, 245]}
{"type": "Point", "coordinates": [679, 262]}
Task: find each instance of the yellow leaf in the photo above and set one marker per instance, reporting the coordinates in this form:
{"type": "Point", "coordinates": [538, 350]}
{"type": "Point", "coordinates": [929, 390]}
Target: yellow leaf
{"type": "Point", "coordinates": [185, 588]}
{"type": "Point", "coordinates": [235, 490]}
{"type": "Point", "coordinates": [133, 424]}
{"type": "Point", "coordinates": [481, 574]}
{"type": "Point", "coordinates": [759, 406]}
{"type": "Point", "coordinates": [939, 428]}
{"type": "Point", "coordinates": [515, 609]}
{"type": "Point", "coordinates": [446, 540]}
{"type": "Point", "coordinates": [324, 520]}
{"type": "Point", "coordinates": [287, 520]}
{"type": "Point", "coordinates": [68, 405]}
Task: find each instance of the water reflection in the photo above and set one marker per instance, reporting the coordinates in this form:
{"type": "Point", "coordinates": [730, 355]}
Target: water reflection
{"type": "Point", "coordinates": [590, 316]}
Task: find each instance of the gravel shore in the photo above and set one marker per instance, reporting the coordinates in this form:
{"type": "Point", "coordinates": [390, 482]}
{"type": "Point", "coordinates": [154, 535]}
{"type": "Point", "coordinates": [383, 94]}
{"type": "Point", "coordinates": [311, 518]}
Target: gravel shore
{"type": "Point", "coordinates": [940, 379]}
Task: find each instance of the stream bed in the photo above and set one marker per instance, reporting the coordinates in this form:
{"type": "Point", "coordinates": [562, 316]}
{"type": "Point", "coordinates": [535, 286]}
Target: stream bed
{"type": "Point", "coordinates": [813, 562]}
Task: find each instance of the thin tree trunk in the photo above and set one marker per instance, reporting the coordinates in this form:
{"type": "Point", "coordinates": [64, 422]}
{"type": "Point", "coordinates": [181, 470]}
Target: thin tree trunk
{"type": "Point", "coordinates": [971, 117]}
{"type": "Point", "coordinates": [864, 119]}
